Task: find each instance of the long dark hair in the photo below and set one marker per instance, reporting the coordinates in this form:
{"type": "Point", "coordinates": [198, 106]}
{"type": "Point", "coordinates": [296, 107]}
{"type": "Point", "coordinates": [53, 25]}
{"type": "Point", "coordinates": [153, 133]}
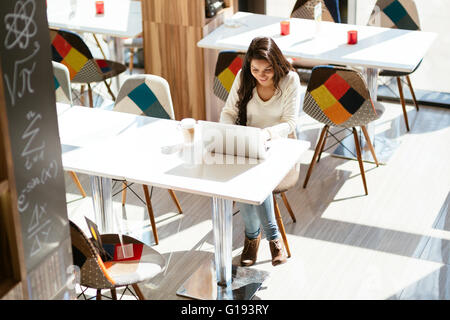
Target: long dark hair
{"type": "Point", "coordinates": [261, 48]}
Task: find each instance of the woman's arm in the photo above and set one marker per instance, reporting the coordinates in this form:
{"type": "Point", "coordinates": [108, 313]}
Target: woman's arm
{"type": "Point", "coordinates": [229, 112]}
{"type": "Point", "coordinates": [291, 105]}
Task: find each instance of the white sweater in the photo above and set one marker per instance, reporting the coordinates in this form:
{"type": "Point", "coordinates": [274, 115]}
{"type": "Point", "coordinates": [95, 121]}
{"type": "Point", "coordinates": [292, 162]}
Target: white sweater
{"type": "Point", "coordinates": [278, 114]}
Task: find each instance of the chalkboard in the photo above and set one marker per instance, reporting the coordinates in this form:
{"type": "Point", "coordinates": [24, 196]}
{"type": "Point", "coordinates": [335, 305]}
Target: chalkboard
{"type": "Point", "coordinates": [29, 96]}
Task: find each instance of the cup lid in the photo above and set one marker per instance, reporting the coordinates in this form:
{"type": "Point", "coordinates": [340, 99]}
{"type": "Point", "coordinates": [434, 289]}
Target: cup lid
{"type": "Point", "coordinates": [188, 123]}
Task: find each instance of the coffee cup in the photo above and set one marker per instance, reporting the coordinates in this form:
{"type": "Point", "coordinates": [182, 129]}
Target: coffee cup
{"type": "Point", "coordinates": [187, 127]}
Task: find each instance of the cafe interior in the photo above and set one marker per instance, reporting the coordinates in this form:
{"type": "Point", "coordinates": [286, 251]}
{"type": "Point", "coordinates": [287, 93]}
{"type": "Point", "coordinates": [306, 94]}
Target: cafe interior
{"type": "Point", "coordinates": [104, 194]}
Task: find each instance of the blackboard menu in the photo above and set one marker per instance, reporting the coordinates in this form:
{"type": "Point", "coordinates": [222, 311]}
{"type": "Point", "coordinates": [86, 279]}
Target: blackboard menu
{"type": "Point", "coordinates": [29, 96]}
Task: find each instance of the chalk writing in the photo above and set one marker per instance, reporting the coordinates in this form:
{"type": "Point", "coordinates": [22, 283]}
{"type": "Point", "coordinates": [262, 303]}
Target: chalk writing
{"type": "Point", "coordinates": [31, 152]}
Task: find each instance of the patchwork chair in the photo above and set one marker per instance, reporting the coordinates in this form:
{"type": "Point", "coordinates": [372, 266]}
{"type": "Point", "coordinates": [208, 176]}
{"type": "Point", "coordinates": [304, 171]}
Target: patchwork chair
{"type": "Point", "coordinates": [147, 95]}
{"type": "Point", "coordinates": [145, 263]}
{"type": "Point", "coordinates": [304, 9]}
{"type": "Point", "coordinates": [69, 49]}
{"type": "Point", "coordinates": [339, 97]}
{"type": "Point", "coordinates": [64, 94]}
{"type": "Point", "coordinates": [228, 65]}
{"type": "Point", "coordinates": [397, 14]}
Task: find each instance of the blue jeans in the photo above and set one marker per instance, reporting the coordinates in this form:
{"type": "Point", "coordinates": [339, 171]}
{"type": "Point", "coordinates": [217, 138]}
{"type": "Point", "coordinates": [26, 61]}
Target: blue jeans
{"type": "Point", "coordinates": [256, 215]}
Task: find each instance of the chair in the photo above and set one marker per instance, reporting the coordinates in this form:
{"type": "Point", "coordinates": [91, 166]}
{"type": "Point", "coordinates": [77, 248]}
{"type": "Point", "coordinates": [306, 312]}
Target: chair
{"type": "Point", "coordinates": [398, 14]}
{"type": "Point", "coordinates": [304, 9]}
{"type": "Point", "coordinates": [146, 95]}
{"type": "Point", "coordinates": [69, 49]}
{"type": "Point", "coordinates": [64, 94]}
{"type": "Point", "coordinates": [98, 274]}
{"type": "Point", "coordinates": [132, 44]}
{"type": "Point", "coordinates": [339, 97]}
{"type": "Point", "coordinates": [227, 66]}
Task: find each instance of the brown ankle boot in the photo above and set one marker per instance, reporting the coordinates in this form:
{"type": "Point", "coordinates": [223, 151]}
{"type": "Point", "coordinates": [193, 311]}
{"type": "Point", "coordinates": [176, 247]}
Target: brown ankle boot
{"type": "Point", "coordinates": [248, 256]}
{"type": "Point", "coordinates": [277, 251]}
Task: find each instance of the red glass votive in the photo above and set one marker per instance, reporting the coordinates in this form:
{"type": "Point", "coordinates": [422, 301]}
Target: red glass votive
{"type": "Point", "coordinates": [285, 28]}
{"type": "Point", "coordinates": [99, 7]}
{"type": "Point", "coordinates": [352, 37]}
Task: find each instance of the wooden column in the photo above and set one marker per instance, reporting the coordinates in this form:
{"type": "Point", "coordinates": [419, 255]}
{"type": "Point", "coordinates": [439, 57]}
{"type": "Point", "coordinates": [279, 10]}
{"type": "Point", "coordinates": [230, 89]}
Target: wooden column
{"type": "Point", "coordinates": [171, 30]}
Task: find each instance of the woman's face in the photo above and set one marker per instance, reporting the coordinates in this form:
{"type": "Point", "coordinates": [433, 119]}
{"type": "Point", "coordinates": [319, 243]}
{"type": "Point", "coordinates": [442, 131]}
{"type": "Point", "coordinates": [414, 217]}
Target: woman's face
{"type": "Point", "coordinates": [263, 72]}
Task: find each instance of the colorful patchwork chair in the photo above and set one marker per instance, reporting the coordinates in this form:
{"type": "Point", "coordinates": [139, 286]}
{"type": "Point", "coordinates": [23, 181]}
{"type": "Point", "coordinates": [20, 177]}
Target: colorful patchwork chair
{"type": "Point", "coordinates": [64, 94]}
{"type": "Point", "coordinates": [145, 263]}
{"type": "Point", "coordinates": [304, 9]}
{"type": "Point", "coordinates": [227, 66]}
{"type": "Point", "coordinates": [147, 95]}
{"type": "Point", "coordinates": [69, 49]}
{"type": "Point", "coordinates": [397, 14]}
{"type": "Point", "coordinates": [339, 97]}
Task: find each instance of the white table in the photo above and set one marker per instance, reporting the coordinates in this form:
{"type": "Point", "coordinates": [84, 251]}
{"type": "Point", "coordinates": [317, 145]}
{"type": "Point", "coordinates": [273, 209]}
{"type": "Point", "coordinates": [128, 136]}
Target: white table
{"type": "Point", "coordinates": [377, 48]}
{"type": "Point", "coordinates": [112, 145]}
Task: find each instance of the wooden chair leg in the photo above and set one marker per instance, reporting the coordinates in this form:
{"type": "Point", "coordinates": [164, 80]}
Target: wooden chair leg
{"type": "Point", "coordinates": [281, 226]}
{"type": "Point", "coordinates": [91, 99]}
{"type": "Point", "coordinates": [323, 145]}
{"type": "Point", "coordinates": [150, 213]}
{"type": "Point", "coordinates": [369, 143]}
{"type": "Point", "coordinates": [402, 100]}
{"type": "Point", "coordinates": [358, 153]}
{"type": "Point", "coordinates": [288, 207]}
{"type": "Point", "coordinates": [77, 182]}
{"type": "Point", "coordinates": [114, 294]}
{"type": "Point", "coordinates": [99, 294]}
{"type": "Point", "coordinates": [109, 90]}
{"type": "Point", "coordinates": [124, 193]}
{"type": "Point", "coordinates": [412, 92]}
{"type": "Point", "coordinates": [316, 153]}
{"type": "Point", "coordinates": [138, 291]}
{"type": "Point", "coordinates": [175, 199]}
{"type": "Point", "coordinates": [130, 65]}
{"type": "Point", "coordinates": [82, 95]}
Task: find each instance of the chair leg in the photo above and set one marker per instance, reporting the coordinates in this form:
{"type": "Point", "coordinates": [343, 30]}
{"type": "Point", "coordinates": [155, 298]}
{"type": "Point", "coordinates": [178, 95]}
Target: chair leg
{"type": "Point", "coordinates": [77, 182]}
{"type": "Point", "coordinates": [369, 143]}
{"type": "Point", "coordinates": [288, 207]}
{"type": "Point", "coordinates": [91, 99]}
{"type": "Point", "coordinates": [109, 90]}
{"type": "Point", "coordinates": [412, 92]}
{"type": "Point", "coordinates": [150, 213]}
{"type": "Point", "coordinates": [175, 199]}
{"type": "Point", "coordinates": [323, 145]}
{"type": "Point", "coordinates": [99, 294]}
{"type": "Point", "coordinates": [138, 291]}
{"type": "Point", "coordinates": [124, 193]}
{"type": "Point", "coordinates": [82, 95]}
{"type": "Point", "coordinates": [281, 226]}
{"type": "Point", "coordinates": [402, 100]}
{"type": "Point", "coordinates": [113, 293]}
{"type": "Point", "coordinates": [358, 153]}
{"type": "Point", "coordinates": [316, 153]}
{"type": "Point", "coordinates": [130, 65]}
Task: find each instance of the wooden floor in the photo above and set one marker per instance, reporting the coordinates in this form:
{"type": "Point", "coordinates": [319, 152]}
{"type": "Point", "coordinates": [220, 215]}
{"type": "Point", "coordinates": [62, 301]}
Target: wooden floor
{"type": "Point", "coordinates": [391, 244]}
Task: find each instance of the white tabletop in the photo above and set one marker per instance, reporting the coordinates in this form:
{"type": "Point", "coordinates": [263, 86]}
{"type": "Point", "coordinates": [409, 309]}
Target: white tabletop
{"type": "Point", "coordinates": [121, 18]}
{"type": "Point", "coordinates": [125, 146]}
{"type": "Point", "coordinates": [381, 48]}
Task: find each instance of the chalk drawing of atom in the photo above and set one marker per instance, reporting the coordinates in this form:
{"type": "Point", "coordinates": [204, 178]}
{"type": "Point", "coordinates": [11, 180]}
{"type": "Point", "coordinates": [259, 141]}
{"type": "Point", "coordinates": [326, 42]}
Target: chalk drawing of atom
{"type": "Point", "coordinates": [20, 25]}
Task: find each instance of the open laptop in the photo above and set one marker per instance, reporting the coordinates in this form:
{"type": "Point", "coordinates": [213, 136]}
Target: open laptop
{"type": "Point", "coordinates": [233, 140]}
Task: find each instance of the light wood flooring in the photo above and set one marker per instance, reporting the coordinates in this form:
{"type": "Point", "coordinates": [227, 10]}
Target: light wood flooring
{"type": "Point", "coordinates": [391, 244]}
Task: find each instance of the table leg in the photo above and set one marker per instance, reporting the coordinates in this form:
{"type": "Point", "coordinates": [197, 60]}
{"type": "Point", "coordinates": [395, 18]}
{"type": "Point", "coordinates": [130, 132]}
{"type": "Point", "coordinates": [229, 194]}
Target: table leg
{"type": "Point", "coordinates": [102, 200]}
{"type": "Point", "coordinates": [226, 282]}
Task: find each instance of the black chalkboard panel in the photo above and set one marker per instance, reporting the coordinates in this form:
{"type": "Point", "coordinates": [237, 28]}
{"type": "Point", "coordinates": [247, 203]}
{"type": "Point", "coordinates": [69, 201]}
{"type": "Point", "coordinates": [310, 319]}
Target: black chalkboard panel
{"type": "Point", "coordinates": [29, 96]}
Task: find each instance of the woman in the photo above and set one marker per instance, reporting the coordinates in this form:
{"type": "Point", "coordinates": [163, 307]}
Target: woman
{"type": "Point", "coordinates": [265, 94]}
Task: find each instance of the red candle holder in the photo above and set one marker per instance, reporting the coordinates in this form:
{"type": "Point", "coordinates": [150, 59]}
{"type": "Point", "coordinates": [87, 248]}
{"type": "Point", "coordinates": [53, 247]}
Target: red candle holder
{"type": "Point", "coordinates": [285, 26]}
{"type": "Point", "coordinates": [352, 37]}
{"type": "Point", "coordinates": [99, 7]}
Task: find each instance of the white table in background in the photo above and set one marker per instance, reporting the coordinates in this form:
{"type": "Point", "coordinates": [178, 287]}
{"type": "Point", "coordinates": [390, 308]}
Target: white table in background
{"type": "Point", "coordinates": [377, 48]}
{"type": "Point", "coordinates": [125, 146]}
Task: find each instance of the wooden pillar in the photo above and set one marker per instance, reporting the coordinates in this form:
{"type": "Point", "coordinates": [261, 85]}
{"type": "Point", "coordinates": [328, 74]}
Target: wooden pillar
{"type": "Point", "coordinates": [171, 30]}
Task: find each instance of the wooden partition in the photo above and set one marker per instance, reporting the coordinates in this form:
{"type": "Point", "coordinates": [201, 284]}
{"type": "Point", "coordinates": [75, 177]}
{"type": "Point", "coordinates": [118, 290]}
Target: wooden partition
{"type": "Point", "coordinates": [171, 30]}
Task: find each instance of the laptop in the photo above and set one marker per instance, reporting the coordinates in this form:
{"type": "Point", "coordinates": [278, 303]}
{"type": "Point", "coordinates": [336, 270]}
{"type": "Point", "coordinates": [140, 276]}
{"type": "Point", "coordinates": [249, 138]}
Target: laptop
{"type": "Point", "coordinates": [233, 140]}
